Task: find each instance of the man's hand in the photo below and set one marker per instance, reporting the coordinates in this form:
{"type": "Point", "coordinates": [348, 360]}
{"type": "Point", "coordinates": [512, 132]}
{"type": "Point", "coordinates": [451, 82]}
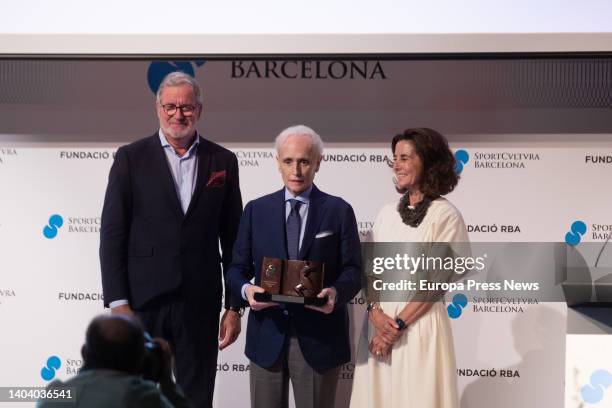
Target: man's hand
{"type": "Point", "coordinates": [331, 301]}
{"type": "Point", "coordinates": [385, 326]}
{"type": "Point", "coordinates": [255, 305]}
{"type": "Point", "coordinates": [123, 309]}
{"type": "Point", "coordinates": [229, 328]}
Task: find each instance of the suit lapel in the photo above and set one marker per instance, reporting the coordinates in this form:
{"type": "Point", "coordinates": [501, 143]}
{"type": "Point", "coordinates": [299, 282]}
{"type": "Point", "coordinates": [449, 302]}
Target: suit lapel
{"type": "Point", "coordinates": [203, 170]}
{"type": "Point", "coordinates": [165, 175]}
{"type": "Point", "coordinates": [316, 212]}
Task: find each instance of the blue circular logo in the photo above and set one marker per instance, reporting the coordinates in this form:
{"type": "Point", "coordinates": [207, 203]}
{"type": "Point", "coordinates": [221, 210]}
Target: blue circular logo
{"type": "Point", "coordinates": [594, 392]}
{"type": "Point", "coordinates": [577, 230]}
{"type": "Point", "coordinates": [55, 222]}
{"type": "Point", "coordinates": [159, 69]}
{"type": "Point", "coordinates": [48, 372]}
{"type": "Point", "coordinates": [461, 159]}
{"type": "Point", "coordinates": [455, 309]}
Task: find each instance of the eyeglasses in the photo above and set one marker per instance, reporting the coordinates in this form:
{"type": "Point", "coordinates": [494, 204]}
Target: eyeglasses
{"type": "Point", "coordinates": [187, 110]}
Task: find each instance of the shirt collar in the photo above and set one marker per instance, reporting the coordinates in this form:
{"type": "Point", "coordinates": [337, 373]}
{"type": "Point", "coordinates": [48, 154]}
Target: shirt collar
{"type": "Point", "coordinates": [303, 197]}
{"type": "Point", "coordinates": [164, 142]}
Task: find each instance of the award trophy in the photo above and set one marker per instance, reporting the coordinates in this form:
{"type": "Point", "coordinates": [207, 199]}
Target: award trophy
{"type": "Point", "coordinates": [292, 281]}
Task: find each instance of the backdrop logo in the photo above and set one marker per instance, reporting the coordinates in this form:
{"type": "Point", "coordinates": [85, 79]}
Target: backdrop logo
{"type": "Point", "coordinates": [346, 371]}
{"type": "Point", "coordinates": [577, 230]}
{"type": "Point", "coordinates": [159, 69]}
{"type": "Point", "coordinates": [253, 158]}
{"type": "Point", "coordinates": [365, 230]}
{"type": "Point", "coordinates": [503, 159]}
{"type": "Point", "coordinates": [55, 222]}
{"type": "Point", "coordinates": [6, 293]}
{"type": "Point", "coordinates": [6, 152]}
{"type": "Point", "coordinates": [306, 69]}
{"type": "Point", "coordinates": [48, 372]}
{"type": "Point", "coordinates": [593, 393]}
{"type": "Point", "coordinates": [87, 154]}
{"type": "Point", "coordinates": [597, 159]}
{"type": "Point", "coordinates": [80, 296]}
{"type": "Point", "coordinates": [461, 159]}
{"type": "Point", "coordinates": [456, 308]}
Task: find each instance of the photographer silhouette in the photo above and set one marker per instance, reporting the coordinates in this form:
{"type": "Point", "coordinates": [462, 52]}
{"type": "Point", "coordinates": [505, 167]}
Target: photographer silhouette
{"type": "Point", "coordinates": [122, 368]}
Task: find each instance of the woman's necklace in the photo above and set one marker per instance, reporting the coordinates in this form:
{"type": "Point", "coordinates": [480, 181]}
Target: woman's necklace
{"type": "Point", "coordinates": [413, 216]}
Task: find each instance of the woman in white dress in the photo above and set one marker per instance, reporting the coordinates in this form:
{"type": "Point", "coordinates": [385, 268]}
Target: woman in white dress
{"type": "Point", "coordinates": [406, 356]}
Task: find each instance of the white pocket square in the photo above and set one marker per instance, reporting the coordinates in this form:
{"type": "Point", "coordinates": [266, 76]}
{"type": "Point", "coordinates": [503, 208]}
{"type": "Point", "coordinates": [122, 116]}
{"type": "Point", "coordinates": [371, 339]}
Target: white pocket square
{"type": "Point", "coordinates": [324, 234]}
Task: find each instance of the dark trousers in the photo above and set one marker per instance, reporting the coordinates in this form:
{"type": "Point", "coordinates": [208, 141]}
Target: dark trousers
{"type": "Point", "coordinates": [270, 386]}
{"type": "Point", "coordinates": [192, 331]}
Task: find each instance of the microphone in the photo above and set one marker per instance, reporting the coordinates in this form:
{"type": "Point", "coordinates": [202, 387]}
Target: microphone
{"type": "Point", "coordinates": [602, 249]}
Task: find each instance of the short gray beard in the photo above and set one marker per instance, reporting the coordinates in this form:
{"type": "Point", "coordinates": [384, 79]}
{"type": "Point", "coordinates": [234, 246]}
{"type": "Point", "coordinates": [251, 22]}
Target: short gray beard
{"type": "Point", "coordinates": [180, 136]}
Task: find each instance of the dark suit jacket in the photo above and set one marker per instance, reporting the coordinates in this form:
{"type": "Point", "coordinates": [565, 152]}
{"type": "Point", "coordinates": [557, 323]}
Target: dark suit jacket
{"type": "Point", "coordinates": [324, 339]}
{"type": "Point", "coordinates": [148, 247]}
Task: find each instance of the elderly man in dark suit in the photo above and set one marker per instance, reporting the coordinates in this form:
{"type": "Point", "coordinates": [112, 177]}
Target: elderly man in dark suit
{"type": "Point", "coordinates": [304, 344]}
{"type": "Point", "coordinates": [171, 198]}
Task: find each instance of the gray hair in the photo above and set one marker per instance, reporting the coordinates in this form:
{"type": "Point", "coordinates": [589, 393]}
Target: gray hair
{"type": "Point", "coordinates": [299, 130]}
{"type": "Point", "coordinates": [179, 78]}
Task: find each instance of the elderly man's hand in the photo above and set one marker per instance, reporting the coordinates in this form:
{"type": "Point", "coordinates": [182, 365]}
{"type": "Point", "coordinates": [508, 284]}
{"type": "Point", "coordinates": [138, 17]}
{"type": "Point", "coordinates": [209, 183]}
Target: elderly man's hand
{"type": "Point", "coordinates": [328, 307]}
{"type": "Point", "coordinates": [255, 305]}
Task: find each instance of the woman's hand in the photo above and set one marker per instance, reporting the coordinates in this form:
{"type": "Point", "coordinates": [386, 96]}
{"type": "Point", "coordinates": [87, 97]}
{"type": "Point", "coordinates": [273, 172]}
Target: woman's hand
{"type": "Point", "coordinates": [385, 326]}
{"type": "Point", "coordinates": [379, 347]}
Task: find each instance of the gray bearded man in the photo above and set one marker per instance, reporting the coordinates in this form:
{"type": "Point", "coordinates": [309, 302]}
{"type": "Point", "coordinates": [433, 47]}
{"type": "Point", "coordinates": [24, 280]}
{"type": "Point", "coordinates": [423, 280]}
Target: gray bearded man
{"type": "Point", "coordinates": [171, 199]}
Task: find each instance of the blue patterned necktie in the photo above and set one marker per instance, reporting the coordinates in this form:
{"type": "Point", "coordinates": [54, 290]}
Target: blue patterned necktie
{"type": "Point", "coordinates": [294, 223]}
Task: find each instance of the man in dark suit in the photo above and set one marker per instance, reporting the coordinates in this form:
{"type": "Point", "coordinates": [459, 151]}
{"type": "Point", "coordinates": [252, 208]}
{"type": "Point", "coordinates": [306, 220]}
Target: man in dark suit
{"type": "Point", "coordinates": [308, 344]}
{"type": "Point", "coordinates": [171, 198]}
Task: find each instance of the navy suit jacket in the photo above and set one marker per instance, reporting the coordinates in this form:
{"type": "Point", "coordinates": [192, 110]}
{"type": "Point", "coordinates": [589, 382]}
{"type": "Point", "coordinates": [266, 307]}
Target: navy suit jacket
{"type": "Point", "coordinates": [148, 247]}
{"type": "Point", "coordinates": [323, 338]}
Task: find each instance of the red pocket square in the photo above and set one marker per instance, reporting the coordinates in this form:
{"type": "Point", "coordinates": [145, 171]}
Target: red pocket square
{"type": "Point", "coordinates": [216, 179]}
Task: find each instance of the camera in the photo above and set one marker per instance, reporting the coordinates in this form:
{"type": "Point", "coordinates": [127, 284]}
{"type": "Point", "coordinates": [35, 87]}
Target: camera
{"type": "Point", "coordinates": [153, 362]}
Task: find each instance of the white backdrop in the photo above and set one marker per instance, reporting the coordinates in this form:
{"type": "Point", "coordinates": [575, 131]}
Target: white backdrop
{"type": "Point", "coordinates": [50, 285]}
{"type": "Point", "coordinates": [71, 27]}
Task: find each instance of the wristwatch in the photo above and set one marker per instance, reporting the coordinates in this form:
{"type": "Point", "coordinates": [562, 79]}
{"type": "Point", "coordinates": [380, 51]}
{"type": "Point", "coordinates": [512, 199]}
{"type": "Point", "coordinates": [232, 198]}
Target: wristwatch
{"type": "Point", "coordinates": [237, 309]}
{"type": "Point", "coordinates": [401, 324]}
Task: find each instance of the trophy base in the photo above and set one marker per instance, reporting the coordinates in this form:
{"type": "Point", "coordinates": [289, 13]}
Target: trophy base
{"type": "Point", "coordinates": [300, 300]}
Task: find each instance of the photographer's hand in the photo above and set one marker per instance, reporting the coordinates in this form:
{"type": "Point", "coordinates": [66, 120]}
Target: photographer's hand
{"type": "Point", "coordinates": [170, 390]}
{"type": "Point", "coordinates": [165, 377]}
